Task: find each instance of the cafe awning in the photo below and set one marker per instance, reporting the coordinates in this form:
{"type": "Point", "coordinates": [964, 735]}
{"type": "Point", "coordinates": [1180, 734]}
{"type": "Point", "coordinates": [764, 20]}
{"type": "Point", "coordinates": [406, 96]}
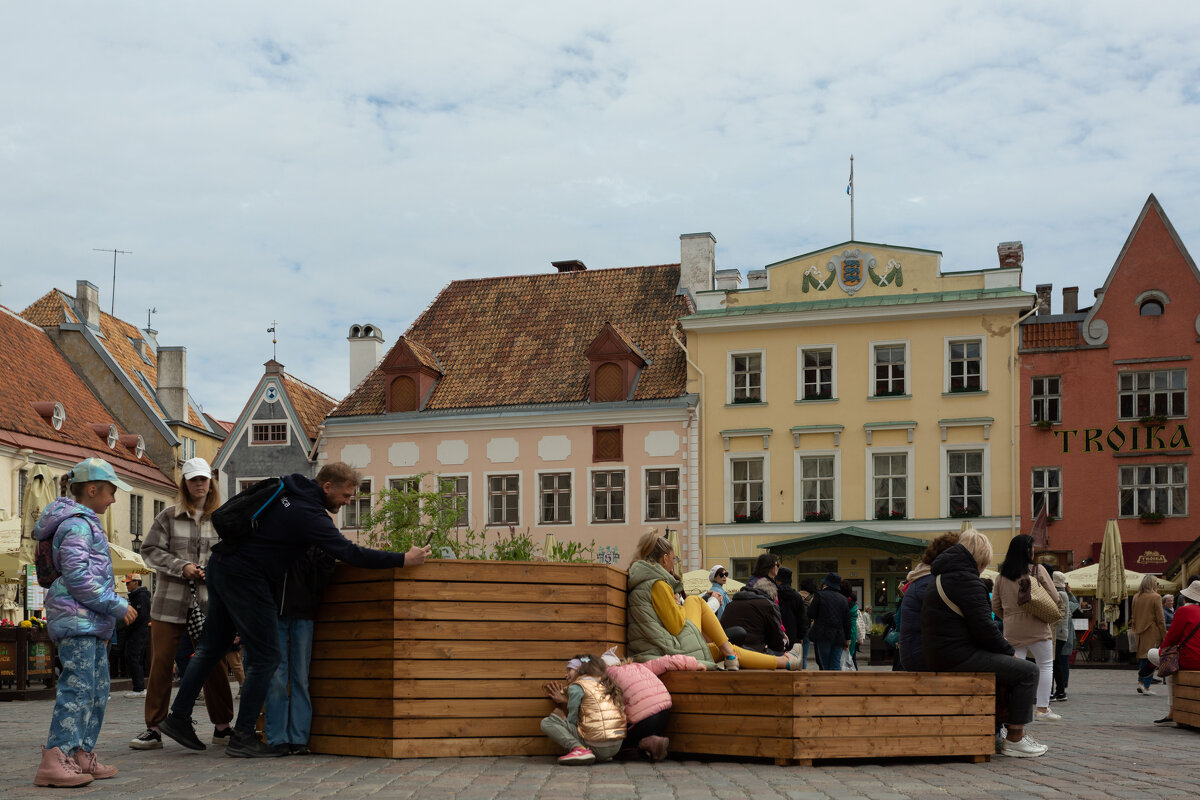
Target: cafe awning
{"type": "Point", "coordinates": [850, 536]}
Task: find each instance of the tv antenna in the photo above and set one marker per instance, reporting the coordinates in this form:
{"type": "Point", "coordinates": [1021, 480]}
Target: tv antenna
{"type": "Point", "coordinates": [150, 311]}
{"type": "Point", "coordinates": [113, 306]}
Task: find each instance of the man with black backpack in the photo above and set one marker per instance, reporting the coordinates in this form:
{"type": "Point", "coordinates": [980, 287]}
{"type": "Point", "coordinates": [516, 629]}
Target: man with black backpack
{"type": "Point", "coordinates": [244, 565]}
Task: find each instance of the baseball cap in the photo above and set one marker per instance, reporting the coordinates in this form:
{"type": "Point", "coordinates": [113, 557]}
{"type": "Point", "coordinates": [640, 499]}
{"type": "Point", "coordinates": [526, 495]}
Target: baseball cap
{"type": "Point", "coordinates": [196, 467]}
{"type": "Point", "coordinates": [133, 576]}
{"type": "Point", "coordinates": [97, 469]}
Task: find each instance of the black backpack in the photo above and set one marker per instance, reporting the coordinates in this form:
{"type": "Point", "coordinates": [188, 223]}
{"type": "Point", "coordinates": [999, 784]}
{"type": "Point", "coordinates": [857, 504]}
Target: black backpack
{"type": "Point", "coordinates": [43, 558]}
{"type": "Point", "coordinates": [237, 519]}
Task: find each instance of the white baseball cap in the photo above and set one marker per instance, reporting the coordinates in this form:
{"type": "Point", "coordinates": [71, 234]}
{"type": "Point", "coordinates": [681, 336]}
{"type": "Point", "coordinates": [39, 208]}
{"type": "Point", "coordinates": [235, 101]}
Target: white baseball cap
{"type": "Point", "coordinates": [196, 467]}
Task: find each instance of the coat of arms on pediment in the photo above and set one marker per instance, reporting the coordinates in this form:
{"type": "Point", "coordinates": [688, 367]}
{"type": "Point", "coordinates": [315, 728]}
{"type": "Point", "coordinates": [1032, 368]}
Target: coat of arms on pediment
{"type": "Point", "coordinates": [851, 267]}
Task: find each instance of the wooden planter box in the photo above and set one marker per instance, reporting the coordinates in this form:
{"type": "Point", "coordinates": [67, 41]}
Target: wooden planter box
{"type": "Point", "coordinates": [1185, 698]}
{"type": "Point", "coordinates": [26, 657]}
{"type": "Point", "coordinates": [449, 658]}
{"type": "Point", "coordinates": [798, 717]}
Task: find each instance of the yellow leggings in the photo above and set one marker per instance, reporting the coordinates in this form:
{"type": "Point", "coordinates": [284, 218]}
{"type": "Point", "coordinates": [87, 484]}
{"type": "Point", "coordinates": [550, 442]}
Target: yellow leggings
{"type": "Point", "coordinates": [701, 615]}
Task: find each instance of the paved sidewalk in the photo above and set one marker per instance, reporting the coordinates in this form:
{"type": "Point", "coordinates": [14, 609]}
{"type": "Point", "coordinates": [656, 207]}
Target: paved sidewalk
{"type": "Point", "coordinates": [1105, 747]}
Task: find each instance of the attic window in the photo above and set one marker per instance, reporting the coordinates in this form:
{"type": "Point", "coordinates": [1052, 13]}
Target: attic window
{"type": "Point", "coordinates": [610, 383]}
{"type": "Point", "coordinates": [1151, 308]}
{"type": "Point", "coordinates": [53, 413]}
{"type": "Point", "coordinates": [403, 396]}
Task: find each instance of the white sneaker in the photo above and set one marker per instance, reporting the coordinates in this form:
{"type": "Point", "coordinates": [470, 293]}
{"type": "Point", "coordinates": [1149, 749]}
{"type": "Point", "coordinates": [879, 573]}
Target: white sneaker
{"type": "Point", "coordinates": [142, 693]}
{"type": "Point", "coordinates": [1048, 716]}
{"type": "Point", "coordinates": [731, 664]}
{"type": "Point", "coordinates": [1026, 748]}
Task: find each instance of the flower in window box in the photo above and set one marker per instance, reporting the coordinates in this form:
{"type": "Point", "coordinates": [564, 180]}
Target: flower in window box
{"type": "Point", "coordinates": [1043, 424]}
{"type": "Point", "coordinates": [890, 393]}
{"type": "Point", "coordinates": [754, 517]}
{"type": "Point", "coordinates": [823, 394]}
{"type": "Point", "coordinates": [959, 512]}
{"type": "Point", "coordinates": [1154, 419]}
{"type": "Point", "coordinates": [891, 515]}
{"type": "Point", "coordinates": [957, 386]}
{"type": "Point", "coordinates": [740, 400]}
{"type": "Point", "coordinates": [1152, 517]}
{"type": "Point", "coordinates": [818, 516]}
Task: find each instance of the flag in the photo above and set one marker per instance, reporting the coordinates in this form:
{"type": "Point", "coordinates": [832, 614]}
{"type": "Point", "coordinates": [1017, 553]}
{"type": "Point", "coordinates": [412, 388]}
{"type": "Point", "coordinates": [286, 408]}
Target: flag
{"type": "Point", "coordinates": [1041, 529]}
{"type": "Point", "coordinates": [850, 185]}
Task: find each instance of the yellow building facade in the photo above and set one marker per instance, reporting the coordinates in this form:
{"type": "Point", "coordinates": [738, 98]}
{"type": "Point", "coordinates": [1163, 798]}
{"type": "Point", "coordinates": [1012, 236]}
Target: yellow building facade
{"type": "Point", "coordinates": [857, 401]}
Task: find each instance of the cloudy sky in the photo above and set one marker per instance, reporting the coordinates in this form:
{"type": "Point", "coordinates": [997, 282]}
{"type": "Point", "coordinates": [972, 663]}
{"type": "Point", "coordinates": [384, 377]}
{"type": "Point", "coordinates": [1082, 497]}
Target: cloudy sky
{"type": "Point", "coordinates": [326, 164]}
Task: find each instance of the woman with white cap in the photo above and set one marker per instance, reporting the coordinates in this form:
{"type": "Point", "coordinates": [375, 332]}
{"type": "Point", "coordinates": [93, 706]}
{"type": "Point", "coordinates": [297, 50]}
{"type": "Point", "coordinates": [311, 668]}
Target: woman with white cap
{"type": "Point", "coordinates": [177, 547]}
{"type": "Point", "coordinates": [1185, 632]}
{"type": "Point", "coordinates": [718, 576]}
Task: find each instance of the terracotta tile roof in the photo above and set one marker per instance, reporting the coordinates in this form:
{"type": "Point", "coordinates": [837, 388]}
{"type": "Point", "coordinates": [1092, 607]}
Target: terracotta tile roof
{"type": "Point", "coordinates": [1051, 334]}
{"type": "Point", "coordinates": [521, 339]}
{"type": "Point", "coordinates": [424, 355]}
{"type": "Point", "coordinates": [311, 404]}
{"type": "Point", "coordinates": [32, 370]}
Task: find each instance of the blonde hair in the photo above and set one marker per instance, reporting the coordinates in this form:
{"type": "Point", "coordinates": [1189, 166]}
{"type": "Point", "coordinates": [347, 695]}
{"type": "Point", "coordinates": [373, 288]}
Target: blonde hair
{"type": "Point", "coordinates": [184, 498]}
{"type": "Point", "coordinates": [652, 547]}
{"type": "Point", "coordinates": [978, 545]}
{"type": "Point", "coordinates": [1149, 584]}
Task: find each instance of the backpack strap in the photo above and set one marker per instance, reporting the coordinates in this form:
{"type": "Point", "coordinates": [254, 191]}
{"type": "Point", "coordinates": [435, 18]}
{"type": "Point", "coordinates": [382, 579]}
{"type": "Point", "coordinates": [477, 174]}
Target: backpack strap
{"type": "Point", "coordinates": [946, 599]}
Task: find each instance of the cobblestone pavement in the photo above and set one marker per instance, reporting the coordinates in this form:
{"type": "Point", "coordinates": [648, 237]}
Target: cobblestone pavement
{"type": "Point", "coordinates": [1105, 747]}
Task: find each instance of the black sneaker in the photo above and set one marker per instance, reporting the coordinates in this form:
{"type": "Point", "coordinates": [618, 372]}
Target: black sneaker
{"type": "Point", "coordinates": [299, 750]}
{"type": "Point", "coordinates": [148, 739]}
{"type": "Point", "coordinates": [283, 748]}
{"type": "Point", "coordinates": [248, 745]}
{"type": "Point", "coordinates": [222, 736]}
{"type": "Point", "coordinates": [181, 730]}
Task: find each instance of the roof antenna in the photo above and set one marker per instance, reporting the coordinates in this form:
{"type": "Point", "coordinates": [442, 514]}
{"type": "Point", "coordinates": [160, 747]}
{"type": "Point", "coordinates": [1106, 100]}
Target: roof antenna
{"type": "Point", "coordinates": [150, 311]}
{"type": "Point", "coordinates": [274, 341]}
{"type": "Point", "coordinates": [112, 307]}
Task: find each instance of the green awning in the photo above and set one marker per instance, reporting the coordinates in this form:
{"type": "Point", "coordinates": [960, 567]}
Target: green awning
{"type": "Point", "coordinates": [850, 536]}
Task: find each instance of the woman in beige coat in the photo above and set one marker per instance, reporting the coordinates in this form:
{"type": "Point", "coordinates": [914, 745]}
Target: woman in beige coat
{"type": "Point", "coordinates": [1149, 625]}
{"type": "Point", "coordinates": [1025, 632]}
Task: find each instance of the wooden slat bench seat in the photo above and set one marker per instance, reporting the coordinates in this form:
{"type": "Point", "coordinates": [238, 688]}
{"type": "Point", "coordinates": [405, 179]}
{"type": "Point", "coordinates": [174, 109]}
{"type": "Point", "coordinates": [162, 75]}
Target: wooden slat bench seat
{"type": "Point", "coordinates": [1185, 698]}
{"type": "Point", "coordinates": [799, 717]}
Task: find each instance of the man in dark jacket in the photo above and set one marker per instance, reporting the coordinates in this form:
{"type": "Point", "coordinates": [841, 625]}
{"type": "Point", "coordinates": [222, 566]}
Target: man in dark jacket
{"type": "Point", "coordinates": [136, 635]}
{"type": "Point", "coordinates": [239, 577]}
{"type": "Point", "coordinates": [791, 608]}
{"type": "Point", "coordinates": [754, 609]}
{"type": "Point", "coordinates": [829, 628]}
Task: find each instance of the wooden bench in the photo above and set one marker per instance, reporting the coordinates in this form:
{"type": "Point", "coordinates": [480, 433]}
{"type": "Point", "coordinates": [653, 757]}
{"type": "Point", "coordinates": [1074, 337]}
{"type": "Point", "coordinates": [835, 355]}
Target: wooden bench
{"type": "Point", "coordinates": [1185, 698]}
{"type": "Point", "coordinates": [799, 717]}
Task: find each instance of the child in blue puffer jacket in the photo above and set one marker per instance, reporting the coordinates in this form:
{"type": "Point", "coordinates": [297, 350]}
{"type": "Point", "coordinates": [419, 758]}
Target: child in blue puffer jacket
{"type": "Point", "coordinates": [82, 608]}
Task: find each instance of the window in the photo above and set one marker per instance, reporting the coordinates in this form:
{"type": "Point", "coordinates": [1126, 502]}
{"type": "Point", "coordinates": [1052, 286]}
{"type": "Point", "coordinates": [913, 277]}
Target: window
{"type": "Point", "coordinates": [358, 507]}
{"type": "Point", "coordinates": [245, 483]}
{"type": "Point", "coordinates": [739, 568]}
{"type": "Point", "coordinates": [454, 490]}
{"type": "Point", "coordinates": [554, 498]}
{"type": "Point", "coordinates": [662, 495]}
{"type": "Point", "coordinates": [610, 383]}
{"type": "Point", "coordinates": [746, 378]}
{"type": "Point", "coordinates": [890, 485]}
{"type": "Point", "coordinates": [503, 498]}
{"type": "Point", "coordinates": [269, 433]}
{"type": "Point", "coordinates": [1047, 399]}
{"type": "Point", "coordinates": [159, 506]}
{"type": "Point", "coordinates": [816, 373]}
{"type": "Point", "coordinates": [1047, 491]}
{"type": "Point", "coordinates": [606, 444]}
{"type": "Point", "coordinates": [965, 365]}
{"type": "Point", "coordinates": [135, 514]}
{"type": "Point", "coordinates": [1161, 392]}
{"type": "Point", "coordinates": [965, 473]}
{"type": "Point", "coordinates": [608, 496]}
{"type": "Point", "coordinates": [889, 361]}
{"type": "Point", "coordinates": [1151, 308]}
{"type": "Point", "coordinates": [1154, 490]}
{"type": "Point", "coordinates": [188, 448]}
{"type": "Point", "coordinates": [816, 487]}
{"type": "Point", "coordinates": [404, 394]}
{"type": "Point", "coordinates": [748, 489]}
{"type": "Point", "coordinates": [407, 485]}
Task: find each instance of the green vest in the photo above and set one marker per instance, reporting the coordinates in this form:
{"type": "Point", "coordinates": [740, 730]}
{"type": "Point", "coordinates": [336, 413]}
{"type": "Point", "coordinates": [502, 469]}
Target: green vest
{"type": "Point", "coordinates": [648, 639]}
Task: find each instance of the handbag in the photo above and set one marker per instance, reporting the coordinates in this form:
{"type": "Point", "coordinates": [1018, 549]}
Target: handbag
{"type": "Point", "coordinates": [195, 617]}
{"type": "Point", "coordinates": [1041, 604]}
{"type": "Point", "coordinates": [1168, 657]}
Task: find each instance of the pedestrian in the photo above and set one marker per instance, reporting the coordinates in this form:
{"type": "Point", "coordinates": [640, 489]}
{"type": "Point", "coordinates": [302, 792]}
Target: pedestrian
{"type": "Point", "coordinates": [807, 591]}
{"type": "Point", "coordinates": [240, 600]}
{"type": "Point", "coordinates": [589, 715]}
{"type": "Point", "coordinates": [177, 547]}
{"type": "Point", "coordinates": [1168, 609]}
{"type": "Point", "coordinates": [718, 576]}
{"type": "Point", "coordinates": [754, 609]}
{"type": "Point", "coordinates": [647, 701]}
{"type": "Point", "coordinates": [1147, 622]}
{"type": "Point", "coordinates": [82, 609]}
{"type": "Point", "coordinates": [766, 566]}
{"type": "Point", "coordinates": [1064, 638]}
{"type": "Point", "coordinates": [298, 596]}
{"type": "Point", "coordinates": [829, 626]}
{"type": "Point", "coordinates": [137, 635]}
{"type": "Point", "coordinates": [793, 611]}
{"type": "Point", "coordinates": [850, 659]}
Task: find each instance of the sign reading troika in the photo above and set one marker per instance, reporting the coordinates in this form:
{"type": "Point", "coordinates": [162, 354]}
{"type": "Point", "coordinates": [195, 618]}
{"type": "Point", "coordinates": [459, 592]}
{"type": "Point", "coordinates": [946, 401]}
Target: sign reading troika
{"type": "Point", "coordinates": [1124, 439]}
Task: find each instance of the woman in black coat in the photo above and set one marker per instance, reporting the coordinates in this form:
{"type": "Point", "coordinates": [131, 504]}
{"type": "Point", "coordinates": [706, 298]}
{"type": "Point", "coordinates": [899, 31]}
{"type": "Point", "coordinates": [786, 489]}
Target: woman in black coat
{"type": "Point", "coordinates": [957, 635]}
{"type": "Point", "coordinates": [755, 610]}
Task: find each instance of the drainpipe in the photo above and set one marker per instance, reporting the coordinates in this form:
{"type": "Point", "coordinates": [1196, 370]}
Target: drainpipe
{"type": "Point", "coordinates": [698, 443]}
{"type": "Point", "coordinates": [1014, 504]}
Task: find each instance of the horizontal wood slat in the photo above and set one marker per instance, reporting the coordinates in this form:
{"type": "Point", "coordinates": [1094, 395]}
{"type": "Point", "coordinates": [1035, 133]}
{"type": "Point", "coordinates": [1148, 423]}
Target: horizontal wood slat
{"type": "Point", "coordinates": [472, 611]}
{"type": "Point", "coordinates": [474, 630]}
{"type": "Point", "coordinates": [453, 571]}
{"type": "Point", "coordinates": [423, 592]}
{"type": "Point", "coordinates": [409, 708]}
{"type": "Point", "coordinates": [1187, 677]}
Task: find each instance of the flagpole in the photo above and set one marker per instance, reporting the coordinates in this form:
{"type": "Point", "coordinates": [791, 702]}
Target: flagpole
{"type": "Point", "coordinates": [852, 197]}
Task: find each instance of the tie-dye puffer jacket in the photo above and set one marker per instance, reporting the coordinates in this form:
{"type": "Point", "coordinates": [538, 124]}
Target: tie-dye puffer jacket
{"type": "Point", "coordinates": [83, 601]}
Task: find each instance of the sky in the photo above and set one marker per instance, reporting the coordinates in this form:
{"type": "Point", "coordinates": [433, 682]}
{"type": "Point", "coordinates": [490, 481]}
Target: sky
{"type": "Point", "coordinates": [319, 165]}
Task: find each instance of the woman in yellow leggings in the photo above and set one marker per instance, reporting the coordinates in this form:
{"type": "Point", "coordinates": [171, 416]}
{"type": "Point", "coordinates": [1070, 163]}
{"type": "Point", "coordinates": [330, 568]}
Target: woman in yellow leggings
{"type": "Point", "coordinates": [658, 623]}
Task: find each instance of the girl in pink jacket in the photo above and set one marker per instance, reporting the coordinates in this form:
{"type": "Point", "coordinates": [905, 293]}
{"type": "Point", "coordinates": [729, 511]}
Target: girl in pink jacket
{"type": "Point", "coordinates": [647, 701]}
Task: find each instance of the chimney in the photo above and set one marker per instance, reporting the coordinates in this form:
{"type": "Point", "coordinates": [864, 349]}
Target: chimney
{"type": "Point", "coordinates": [1043, 298]}
{"type": "Point", "coordinates": [756, 279]}
{"type": "Point", "coordinates": [172, 382]}
{"type": "Point", "coordinates": [1070, 299]}
{"type": "Point", "coordinates": [697, 261]}
{"type": "Point", "coordinates": [1012, 254]}
{"type": "Point", "coordinates": [87, 303]}
{"type": "Point", "coordinates": [565, 266]}
{"type": "Point", "coordinates": [273, 367]}
{"type": "Point", "coordinates": [728, 279]}
{"type": "Point", "coordinates": [366, 349]}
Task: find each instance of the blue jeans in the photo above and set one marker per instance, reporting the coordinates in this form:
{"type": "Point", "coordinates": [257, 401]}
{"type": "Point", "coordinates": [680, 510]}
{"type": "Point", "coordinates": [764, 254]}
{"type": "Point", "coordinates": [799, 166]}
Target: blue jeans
{"type": "Point", "coordinates": [82, 694]}
{"type": "Point", "coordinates": [829, 655]}
{"type": "Point", "coordinates": [804, 654]}
{"type": "Point", "coordinates": [238, 603]}
{"type": "Point", "coordinates": [1145, 672]}
{"type": "Point", "coordinates": [289, 719]}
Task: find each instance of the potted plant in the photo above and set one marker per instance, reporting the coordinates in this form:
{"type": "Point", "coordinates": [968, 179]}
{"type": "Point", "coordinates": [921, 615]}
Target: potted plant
{"type": "Point", "coordinates": [1154, 419]}
{"type": "Point", "coordinates": [818, 516]}
{"type": "Point", "coordinates": [891, 515]}
{"type": "Point", "coordinates": [1152, 517]}
{"type": "Point", "coordinates": [754, 516]}
{"type": "Point", "coordinates": [1043, 424]}
{"type": "Point", "coordinates": [961, 512]}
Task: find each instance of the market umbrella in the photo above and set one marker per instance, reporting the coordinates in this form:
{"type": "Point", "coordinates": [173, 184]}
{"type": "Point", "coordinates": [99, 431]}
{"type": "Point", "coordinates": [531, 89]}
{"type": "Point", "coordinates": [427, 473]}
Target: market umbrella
{"type": "Point", "coordinates": [11, 561]}
{"type": "Point", "coordinates": [40, 490]}
{"type": "Point", "coordinates": [125, 561]}
{"type": "Point", "coordinates": [1110, 578]}
{"type": "Point", "coordinates": [1084, 580]}
{"type": "Point", "coordinates": [696, 583]}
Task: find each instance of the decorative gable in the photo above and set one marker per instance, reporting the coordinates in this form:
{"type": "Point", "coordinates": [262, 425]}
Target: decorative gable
{"type": "Point", "coordinates": [410, 372]}
{"type": "Point", "coordinates": [614, 362]}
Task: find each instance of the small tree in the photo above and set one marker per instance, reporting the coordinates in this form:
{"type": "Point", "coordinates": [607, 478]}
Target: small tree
{"type": "Point", "coordinates": [405, 517]}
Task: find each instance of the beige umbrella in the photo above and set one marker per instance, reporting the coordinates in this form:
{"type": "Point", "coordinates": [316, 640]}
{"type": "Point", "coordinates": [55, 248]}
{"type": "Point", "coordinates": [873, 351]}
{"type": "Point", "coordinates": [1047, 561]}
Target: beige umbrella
{"type": "Point", "coordinates": [1110, 578]}
{"type": "Point", "coordinates": [11, 561]}
{"type": "Point", "coordinates": [40, 491]}
{"type": "Point", "coordinates": [696, 583]}
{"type": "Point", "coordinates": [1085, 579]}
{"type": "Point", "coordinates": [126, 561]}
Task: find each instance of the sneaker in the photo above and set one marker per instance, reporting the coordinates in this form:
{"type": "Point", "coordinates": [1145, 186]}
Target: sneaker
{"type": "Point", "coordinates": [90, 765]}
{"type": "Point", "coordinates": [1164, 721]}
{"type": "Point", "coordinates": [57, 769]}
{"type": "Point", "coordinates": [148, 739]}
{"type": "Point", "coordinates": [299, 750]}
{"type": "Point", "coordinates": [1144, 690]}
{"type": "Point", "coordinates": [1062, 698]}
{"type": "Point", "coordinates": [731, 664]}
{"type": "Point", "coordinates": [221, 736]}
{"type": "Point", "coordinates": [248, 745]}
{"type": "Point", "coordinates": [1047, 716]}
{"type": "Point", "coordinates": [182, 730]}
{"type": "Point", "coordinates": [655, 747]}
{"type": "Point", "coordinates": [579, 756]}
{"type": "Point", "coordinates": [132, 695]}
{"type": "Point", "coordinates": [1026, 748]}
{"type": "Point", "coordinates": [283, 748]}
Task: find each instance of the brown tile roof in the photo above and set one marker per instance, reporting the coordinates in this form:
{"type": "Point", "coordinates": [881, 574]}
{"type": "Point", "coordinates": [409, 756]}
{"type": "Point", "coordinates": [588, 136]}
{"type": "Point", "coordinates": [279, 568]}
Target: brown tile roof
{"type": "Point", "coordinates": [32, 370]}
{"type": "Point", "coordinates": [521, 339]}
{"type": "Point", "coordinates": [1051, 334]}
{"type": "Point", "coordinates": [311, 404]}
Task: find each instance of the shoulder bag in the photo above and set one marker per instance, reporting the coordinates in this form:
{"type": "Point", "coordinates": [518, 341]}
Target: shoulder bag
{"type": "Point", "coordinates": [195, 617]}
{"type": "Point", "coordinates": [1168, 657]}
{"type": "Point", "coordinates": [1041, 604]}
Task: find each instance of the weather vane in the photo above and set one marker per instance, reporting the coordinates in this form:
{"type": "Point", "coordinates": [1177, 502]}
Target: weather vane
{"type": "Point", "coordinates": [274, 341]}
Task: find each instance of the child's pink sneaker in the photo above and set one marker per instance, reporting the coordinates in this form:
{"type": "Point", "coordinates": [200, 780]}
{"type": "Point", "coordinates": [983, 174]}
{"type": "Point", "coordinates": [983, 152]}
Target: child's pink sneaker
{"type": "Point", "coordinates": [579, 756]}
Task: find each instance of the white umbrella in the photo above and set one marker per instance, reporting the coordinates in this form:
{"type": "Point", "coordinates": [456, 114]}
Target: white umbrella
{"type": "Point", "coordinates": [125, 561]}
{"type": "Point", "coordinates": [1084, 580]}
{"type": "Point", "coordinates": [696, 583]}
{"type": "Point", "coordinates": [1110, 579]}
{"type": "Point", "coordinates": [12, 561]}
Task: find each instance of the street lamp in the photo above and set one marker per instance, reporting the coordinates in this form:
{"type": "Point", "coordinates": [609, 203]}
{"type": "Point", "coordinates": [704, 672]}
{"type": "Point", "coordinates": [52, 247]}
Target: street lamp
{"type": "Point", "coordinates": [137, 542]}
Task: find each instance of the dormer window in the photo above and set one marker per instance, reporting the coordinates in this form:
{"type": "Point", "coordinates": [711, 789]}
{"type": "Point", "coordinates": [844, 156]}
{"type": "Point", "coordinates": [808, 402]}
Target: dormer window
{"type": "Point", "coordinates": [403, 394]}
{"type": "Point", "coordinates": [614, 363]}
{"type": "Point", "coordinates": [1151, 308]}
{"type": "Point", "coordinates": [411, 371]}
{"type": "Point", "coordinates": [53, 413]}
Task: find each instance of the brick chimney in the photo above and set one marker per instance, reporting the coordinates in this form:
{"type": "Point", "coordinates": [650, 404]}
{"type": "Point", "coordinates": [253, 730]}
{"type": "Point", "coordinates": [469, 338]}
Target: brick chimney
{"type": "Point", "coordinates": [568, 266]}
{"type": "Point", "coordinates": [1012, 254]}
{"type": "Point", "coordinates": [1043, 298]}
{"type": "Point", "coordinates": [697, 262]}
{"type": "Point", "coordinates": [87, 303]}
{"type": "Point", "coordinates": [171, 386]}
{"type": "Point", "coordinates": [1070, 299]}
{"type": "Point", "coordinates": [366, 350]}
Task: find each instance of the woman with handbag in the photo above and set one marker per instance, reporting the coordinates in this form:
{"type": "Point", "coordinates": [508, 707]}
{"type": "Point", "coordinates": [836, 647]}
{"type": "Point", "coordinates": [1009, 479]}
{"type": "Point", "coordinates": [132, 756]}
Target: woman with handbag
{"type": "Point", "coordinates": [1025, 598]}
{"type": "Point", "coordinates": [1181, 647]}
{"type": "Point", "coordinates": [178, 546]}
{"type": "Point", "coordinates": [1147, 623]}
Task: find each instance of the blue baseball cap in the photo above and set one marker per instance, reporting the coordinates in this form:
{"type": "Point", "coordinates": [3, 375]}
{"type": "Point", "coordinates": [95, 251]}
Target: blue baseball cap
{"type": "Point", "coordinates": [97, 469]}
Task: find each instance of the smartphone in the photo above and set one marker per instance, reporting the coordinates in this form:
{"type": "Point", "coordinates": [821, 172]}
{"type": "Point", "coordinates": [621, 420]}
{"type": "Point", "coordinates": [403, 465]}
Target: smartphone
{"type": "Point", "coordinates": [429, 538]}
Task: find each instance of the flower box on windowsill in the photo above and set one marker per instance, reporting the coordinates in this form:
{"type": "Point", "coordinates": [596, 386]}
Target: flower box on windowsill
{"type": "Point", "coordinates": [1043, 424]}
{"type": "Point", "coordinates": [826, 395]}
{"type": "Point", "coordinates": [747, 518]}
{"type": "Point", "coordinates": [739, 401]}
{"type": "Point", "coordinates": [964, 390]}
{"type": "Point", "coordinates": [1152, 518]}
{"type": "Point", "coordinates": [891, 515]}
{"type": "Point", "coordinates": [1153, 419]}
{"type": "Point", "coordinates": [959, 512]}
{"type": "Point", "coordinates": [893, 393]}
{"type": "Point", "coordinates": [818, 516]}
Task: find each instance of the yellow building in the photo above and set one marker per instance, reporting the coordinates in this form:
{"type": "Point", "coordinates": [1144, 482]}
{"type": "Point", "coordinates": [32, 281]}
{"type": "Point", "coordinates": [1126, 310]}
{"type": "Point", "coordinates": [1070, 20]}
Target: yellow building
{"type": "Point", "coordinates": [856, 402]}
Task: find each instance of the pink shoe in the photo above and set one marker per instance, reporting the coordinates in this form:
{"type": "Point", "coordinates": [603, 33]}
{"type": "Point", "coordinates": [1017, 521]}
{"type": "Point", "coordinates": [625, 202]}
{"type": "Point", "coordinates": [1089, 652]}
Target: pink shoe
{"type": "Point", "coordinates": [90, 765]}
{"type": "Point", "coordinates": [655, 747]}
{"type": "Point", "coordinates": [579, 756]}
{"type": "Point", "coordinates": [57, 769]}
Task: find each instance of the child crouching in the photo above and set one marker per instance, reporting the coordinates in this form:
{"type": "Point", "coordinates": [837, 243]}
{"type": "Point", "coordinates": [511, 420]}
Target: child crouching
{"type": "Point", "coordinates": [647, 701]}
{"type": "Point", "coordinates": [590, 718]}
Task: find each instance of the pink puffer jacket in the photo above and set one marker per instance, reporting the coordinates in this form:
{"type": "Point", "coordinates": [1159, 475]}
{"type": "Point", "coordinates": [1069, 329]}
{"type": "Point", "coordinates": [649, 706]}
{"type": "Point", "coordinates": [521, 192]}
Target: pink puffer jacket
{"type": "Point", "coordinates": [644, 693]}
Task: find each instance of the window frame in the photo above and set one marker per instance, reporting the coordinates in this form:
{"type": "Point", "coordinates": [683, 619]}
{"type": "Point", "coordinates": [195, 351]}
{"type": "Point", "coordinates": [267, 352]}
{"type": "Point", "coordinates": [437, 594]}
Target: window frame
{"type": "Point", "coordinates": [1044, 398]}
{"type": "Point", "coordinates": [730, 380]}
{"type": "Point", "coordinates": [487, 493]}
{"type": "Point", "coordinates": [801, 383]}
{"type": "Point", "coordinates": [872, 386]}
{"type": "Point", "coordinates": [137, 516]}
{"type": "Point", "coordinates": [799, 458]}
{"type": "Point", "coordinates": [646, 488]}
{"type": "Point", "coordinates": [1153, 488]}
{"type": "Point", "coordinates": [948, 343]}
{"type": "Point", "coordinates": [255, 424]}
{"type": "Point", "coordinates": [538, 474]}
{"type": "Point", "coordinates": [354, 507]}
{"type": "Point", "coordinates": [465, 514]}
{"type": "Point", "coordinates": [985, 451]}
{"type": "Point", "coordinates": [1036, 491]}
{"type": "Point", "coordinates": [869, 504]}
{"type": "Point", "coordinates": [1151, 391]}
{"type": "Point", "coordinates": [591, 497]}
{"type": "Point", "coordinates": [748, 455]}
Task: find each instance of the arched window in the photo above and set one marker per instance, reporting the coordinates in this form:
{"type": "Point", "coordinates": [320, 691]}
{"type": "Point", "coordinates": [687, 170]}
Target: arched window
{"type": "Point", "coordinates": [610, 383]}
{"type": "Point", "coordinates": [404, 394]}
{"type": "Point", "coordinates": [1151, 308]}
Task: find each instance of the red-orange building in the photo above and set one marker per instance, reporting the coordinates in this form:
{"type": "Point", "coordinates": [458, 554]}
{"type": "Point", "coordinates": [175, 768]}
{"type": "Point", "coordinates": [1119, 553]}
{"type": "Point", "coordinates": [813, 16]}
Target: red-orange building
{"type": "Point", "coordinates": [1105, 404]}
